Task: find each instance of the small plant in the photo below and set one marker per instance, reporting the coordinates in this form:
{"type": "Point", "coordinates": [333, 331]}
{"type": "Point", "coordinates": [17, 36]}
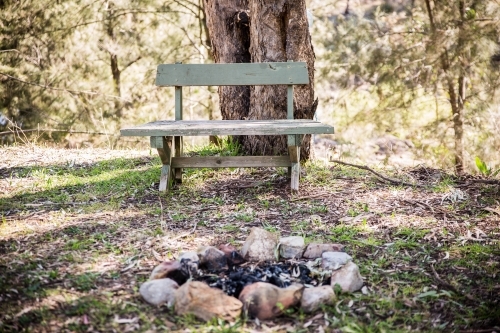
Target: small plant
{"type": "Point", "coordinates": [485, 169]}
{"type": "Point", "coordinates": [268, 227]}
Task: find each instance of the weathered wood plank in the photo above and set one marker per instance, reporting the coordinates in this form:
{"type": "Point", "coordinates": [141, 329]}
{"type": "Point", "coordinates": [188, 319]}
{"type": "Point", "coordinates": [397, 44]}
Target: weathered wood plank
{"type": "Point", "coordinates": [165, 178]}
{"type": "Point", "coordinates": [248, 74]}
{"type": "Point", "coordinates": [179, 148]}
{"type": "Point", "coordinates": [294, 183]}
{"type": "Point", "coordinates": [294, 153]}
{"type": "Point", "coordinates": [178, 103]}
{"type": "Point", "coordinates": [230, 161]}
{"type": "Point", "coordinates": [289, 101]}
{"type": "Point", "coordinates": [294, 140]}
{"type": "Point", "coordinates": [228, 127]}
{"type": "Point", "coordinates": [156, 142]}
{"type": "Point", "coordinates": [165, 152]}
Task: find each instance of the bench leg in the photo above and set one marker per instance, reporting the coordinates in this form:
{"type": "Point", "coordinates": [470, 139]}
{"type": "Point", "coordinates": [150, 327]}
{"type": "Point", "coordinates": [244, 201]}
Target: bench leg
{"type": "Point", "coordinates": [178, 153]}
{"type": "Point", "coordinates": [165, 178]}
{"type": "Point", "coordinates": [294, 153]}
{"type": "Point", "coordinates": [166, 149]}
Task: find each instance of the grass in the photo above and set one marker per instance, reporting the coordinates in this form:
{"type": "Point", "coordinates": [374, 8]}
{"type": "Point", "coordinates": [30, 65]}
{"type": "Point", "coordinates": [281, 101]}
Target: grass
{"type": "Point", "coordinates": [77, 240]}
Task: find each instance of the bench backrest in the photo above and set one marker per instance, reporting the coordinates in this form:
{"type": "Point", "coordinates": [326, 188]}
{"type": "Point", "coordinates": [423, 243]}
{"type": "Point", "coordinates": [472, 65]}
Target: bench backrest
{"type": "Point", "coordinates": [244, 74]}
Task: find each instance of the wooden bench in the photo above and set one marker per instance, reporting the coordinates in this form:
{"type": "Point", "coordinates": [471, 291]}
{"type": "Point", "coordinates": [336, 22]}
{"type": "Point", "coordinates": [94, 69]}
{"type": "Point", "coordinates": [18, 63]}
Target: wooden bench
{"type": "Point", "coordinates": [167, 135]}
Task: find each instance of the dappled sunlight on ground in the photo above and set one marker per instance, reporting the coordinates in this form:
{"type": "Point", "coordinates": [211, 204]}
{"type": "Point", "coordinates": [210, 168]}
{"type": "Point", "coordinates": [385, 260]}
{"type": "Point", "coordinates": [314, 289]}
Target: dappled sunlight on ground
{"type": "Point", "coordinates": [66, 265]}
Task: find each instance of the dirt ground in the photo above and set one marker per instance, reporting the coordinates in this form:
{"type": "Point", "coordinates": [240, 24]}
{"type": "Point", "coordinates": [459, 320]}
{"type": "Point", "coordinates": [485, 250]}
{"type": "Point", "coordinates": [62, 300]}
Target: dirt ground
{"type": "Point", "coordinates": [81, 229]}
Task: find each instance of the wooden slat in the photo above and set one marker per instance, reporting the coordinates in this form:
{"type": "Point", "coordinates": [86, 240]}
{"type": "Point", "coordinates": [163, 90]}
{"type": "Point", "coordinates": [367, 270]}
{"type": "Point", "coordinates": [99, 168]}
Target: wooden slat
{"type": "Point", "coordinates": [178, 103]}
{"type": "Point", "coordinates": [248, 74]}
{"type": "Point", "coordinates": [295, 176]}
{"type": "Point", "coordinates": [227, 127]}
{"type": "Point", "coordinates": [156, 142]}
{"type": "Point", "coordinates": [230, 161]}
{"type": "Point", "coordinates": [294, 153]}
{"type": "Point", "coordinates": [179, 149]}
{"type": "Point", "coordinates": [166, 152]}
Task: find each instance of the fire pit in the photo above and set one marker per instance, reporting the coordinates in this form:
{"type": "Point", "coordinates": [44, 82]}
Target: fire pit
{"type": "Point", "coordinates": [267, 276]}
{"type": "Point", "coordinates": [282, 275]}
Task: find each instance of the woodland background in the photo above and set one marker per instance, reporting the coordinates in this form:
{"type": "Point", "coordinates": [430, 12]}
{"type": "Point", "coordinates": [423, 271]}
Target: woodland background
{"type": "Point", "coordinates": [423, 74]}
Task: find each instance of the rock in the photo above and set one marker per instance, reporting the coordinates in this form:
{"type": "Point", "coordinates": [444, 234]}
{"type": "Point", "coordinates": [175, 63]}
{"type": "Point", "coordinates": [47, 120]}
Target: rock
{"type": "Point", "coordinates": [315, 250]}
{"type": "Point", "coordinates": [334, 260]}
{"type": "Point", "coordinates": [259, 246]}
{"type": "Point", "coordinates": [265, 301]}
{"type": "Point", "coordinates": [348, 278]}
{"type": "Point", "coordinates": [159, 291]}
{"type": "Point", "coordinates": [170, 269]}
{"type": "Point", "coordinates": [189, 256]}
{"type": "Point", "coordinates": [206, 303]}
{"type": "Point", "coordinates": [291, 247]}
{"type": "Point", "coordinates": [312, 298]}
{"type": "Point", "coordinates": [189, 262]}
{"type": "Point", "coordinates": [233, 257]}
{"type": "Point", "coordinates": [212, 258]}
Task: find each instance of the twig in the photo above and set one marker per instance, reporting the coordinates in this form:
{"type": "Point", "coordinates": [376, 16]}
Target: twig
{"type": "Point", "coordinates": [162, 219]}
{"type": "Point", "coordinates": [482, 330]}
{"type": "Point", "coordinates": [185, 234]}
{"type": "Point", "coordinates": [479, 181]}
{"type": "Point", "coordinates": [447, 285]}
{"type": "Point", "coordinates": [255, 184]}
{"type": "Point", "coordinates": [310, 196]}
{"type": "Point", "coordinates": [384, 178]}
{"type": "Point", "coordinates": [60, 89]}
{"type": "Point", "coordinates": [484, 181]}
{"type": "Point", "coordinates": [56, 204]}
{"type": "Point", "coordinates": [419, 203]}
{"type": "Point", "coordinates": [54, 130]}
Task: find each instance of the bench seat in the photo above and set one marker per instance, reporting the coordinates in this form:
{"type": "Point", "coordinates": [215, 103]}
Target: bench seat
{"type": "Point", "coordinates": [227, 127]}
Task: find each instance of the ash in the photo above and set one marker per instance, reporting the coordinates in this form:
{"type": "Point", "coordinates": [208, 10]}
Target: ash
{"type": "Point", "coordinates": [282, 275]}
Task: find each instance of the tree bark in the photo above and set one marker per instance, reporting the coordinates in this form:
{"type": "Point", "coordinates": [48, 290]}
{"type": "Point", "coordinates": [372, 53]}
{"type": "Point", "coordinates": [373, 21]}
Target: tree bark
{"type": "Point", "coordinates": [279, 31]}
{"type": "Point", "coordinates": [457, 98]}
{"type": "Point", "coordinates": [256, 31]}
{"type": "Point", "coordinates": [227, 22]}
{"type": "Point", "coordinates": [113, 57]}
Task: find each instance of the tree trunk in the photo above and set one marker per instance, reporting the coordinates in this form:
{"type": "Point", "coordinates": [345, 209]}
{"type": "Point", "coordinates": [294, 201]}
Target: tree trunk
{"type": "Point", "coordinates": [205, 36]}
{"type": "Point", "coordinates": [279, 31]}
{"type": "Point", "coordinates": [113, 57]}
{"type": "Point", "coordinates": [457, 99]}
{"type": "Point", "coordinates": [255, 31]}
{"type": "Point", "coordinates": [227, 22]}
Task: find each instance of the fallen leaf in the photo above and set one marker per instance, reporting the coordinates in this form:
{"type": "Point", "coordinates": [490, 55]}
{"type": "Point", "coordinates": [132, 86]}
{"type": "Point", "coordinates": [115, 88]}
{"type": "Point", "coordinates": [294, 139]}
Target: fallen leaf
{"type": "Point", "coordinates": [119, 320]}
{"type": "Point", "coordinates": [492, 210]}
{"type": "Point", "coordinates": [129, 267]}
{"type": "Point", "coordinates": [157, 255]}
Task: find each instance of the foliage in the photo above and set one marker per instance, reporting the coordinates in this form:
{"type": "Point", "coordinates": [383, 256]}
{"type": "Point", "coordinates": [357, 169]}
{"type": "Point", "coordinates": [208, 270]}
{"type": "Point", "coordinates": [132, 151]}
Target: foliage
{"type": "Point", "coordinates": [402, 70]}
{"type": "Point", "coordinates": [485, 169]}
{"type": "Point", "coordinates": [90, 66]}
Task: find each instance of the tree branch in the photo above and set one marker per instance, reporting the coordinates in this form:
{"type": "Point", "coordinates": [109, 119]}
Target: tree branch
{"type": "Point", "coordinates": [384, 178]}
{"type": "Point", "coordinates": [59, 89]}
{"type": "Point", "coordinates": [52, 131]}
{"type": "Point", "coordinates": [131, 63]}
